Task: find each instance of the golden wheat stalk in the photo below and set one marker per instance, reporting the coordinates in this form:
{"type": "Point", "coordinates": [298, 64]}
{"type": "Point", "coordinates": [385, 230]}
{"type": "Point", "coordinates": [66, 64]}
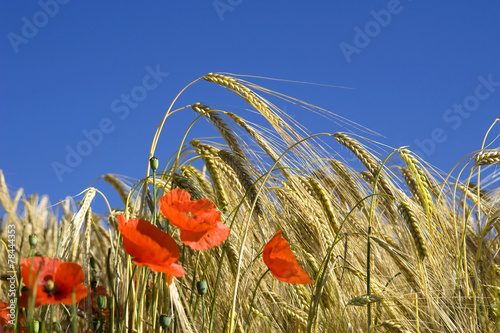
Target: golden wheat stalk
{"type": "Point", "coordinates": [222, 127]}
{"type": "Point", "coordinates": [209, 155]}
{"type": "Point", "coordinates": [266, 147]}
{"type": "Point", "coordinates": [69, 243]}
{"type": "Point", "coordinates": [365, 157]}
{"type": "Point", "coordinates": [196, 175]}
{"type": "Point", "coordinates": [412, 222]}
{"type": "Point", "coordinates": [320, 193]}
{"type": "Point", "coordinates": [399, 261]}
{"type": "Point", "coordinates": [243, 174]}
{"type": "Point", "coordinates": [485, 158]}
{"type": "Point", "coordinates": [343, 174]}
{"type": "Point", "coordinates": [420, 178]}
{"type": "Point", "coordinates": [412, 184]}
{"type": "Point", "coordinates": [248, 95]}
{"type": "Point", "coordinates": [118, 186]}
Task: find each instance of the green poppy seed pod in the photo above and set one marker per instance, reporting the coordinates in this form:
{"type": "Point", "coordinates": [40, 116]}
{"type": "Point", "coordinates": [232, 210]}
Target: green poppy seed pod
{"type": "Point", "coordinates": [202, 287]}
{"type": "Point", "coordinates": [153, 163]}
{"type": "Point", "coordinates": [33, 239]}
{"type": "Point", "coordinates": [110, 303]}
{"type": "Point", "coordinates": [101, 302]}
{"type": "Point", "coordinates": [57, 327]}
{"type": "Point", "coordinates": [165, 321]}
{"type": "Point", "coordinates": [36, 326]}
{"type": "Point", "coordinates": [93, 263]}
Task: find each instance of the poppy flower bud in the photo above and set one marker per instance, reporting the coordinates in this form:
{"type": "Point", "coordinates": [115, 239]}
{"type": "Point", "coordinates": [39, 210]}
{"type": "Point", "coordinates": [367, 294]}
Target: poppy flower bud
{"type": "Point", "coordinates": [57, 327]}
{"type": "Point", "coordinates": [93, 263]}
{"type": "Point", "coordinates": [33, 239]}
{"type": "Point", "coordinates": [96, 324]}
{"type": "Point", "coordinates": [202, 287]}
{"type": "Point", "coordinates": [153, 163]}
{"type": "Point", "coordinates": [101, 302]}
{"type": "Point", "coordinates": [36, 326]}
{"type": "Point", "coordinates": [165, 321]}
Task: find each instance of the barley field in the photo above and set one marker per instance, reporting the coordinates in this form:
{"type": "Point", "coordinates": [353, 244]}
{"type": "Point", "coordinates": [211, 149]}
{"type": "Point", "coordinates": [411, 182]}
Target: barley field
{"type": "Point", "coordinates": [358, 236]}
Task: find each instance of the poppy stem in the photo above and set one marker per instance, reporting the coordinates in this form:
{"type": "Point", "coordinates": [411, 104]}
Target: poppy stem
{"type": "Point", "coordinates": [247, 322]}
{"type": "Point", "coordinates": [154, 197]}
{"type": "Point", "coordinates": [203, 313]}
{"type": "Point", "coordinates": [194, 281]}
{"type": "Point", "coordinates": [74, 327]}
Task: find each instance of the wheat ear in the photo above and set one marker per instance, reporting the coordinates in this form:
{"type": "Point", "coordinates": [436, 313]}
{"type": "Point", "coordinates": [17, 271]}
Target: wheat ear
{"type": "Point", "coordinates": [420, 178]}
{"type": "Point", "coordinates": [320, 193]}
{"type": "Point", "coordinates": [118, 186]}
{"type": "Point", "coordinates": [248, 95]}
{"type": "Point", "coordinates": [365, 157]}
{"type": "Point", "coordinates": [69, 244]}
{"type": "Point", "coordinates": [222, 127]}
{"type": "Point", "coordinates": [195, 174]}
{"type": "Point", "coordinates": [485, 158]}
{"type": "Point", "coordinates": [412, 223]}
{"type": "Point", "coordinates": [209, 156]}
{"type": "Point", "coordinates": [243, 174]}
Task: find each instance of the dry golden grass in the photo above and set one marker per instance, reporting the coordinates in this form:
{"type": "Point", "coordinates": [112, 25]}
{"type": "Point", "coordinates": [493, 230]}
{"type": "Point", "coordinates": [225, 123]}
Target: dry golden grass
{"type": "Point", "coordinates": [433, 268]}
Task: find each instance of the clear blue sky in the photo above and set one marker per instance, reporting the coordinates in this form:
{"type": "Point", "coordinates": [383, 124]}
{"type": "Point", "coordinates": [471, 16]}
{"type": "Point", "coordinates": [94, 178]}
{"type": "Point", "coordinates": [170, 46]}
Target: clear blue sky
{"type": "Point", "coordinates": [423, 73]}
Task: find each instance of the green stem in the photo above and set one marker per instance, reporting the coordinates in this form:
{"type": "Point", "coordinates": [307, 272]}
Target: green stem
{"type": "Point", "coordinates": [194, 282]}
{"type": "Point", "coordinates": [203, 313]}
{"type": "Point", "coordinates": [42, 318]}
{"type": "Point", "coordinates": [74, 326]}
{"type": "Point", "coordinates": [111, 287]}
{"type": "Point", "coordinates": [368, 242]}
{"type": "Point", "coordinates": [212, 310]}
{"type": "Point", "coordinates": [368, 269]}
{"type": "Point", "coordinates": [247, 321]}
{"type": "Point", "coordinates": [154, 197]}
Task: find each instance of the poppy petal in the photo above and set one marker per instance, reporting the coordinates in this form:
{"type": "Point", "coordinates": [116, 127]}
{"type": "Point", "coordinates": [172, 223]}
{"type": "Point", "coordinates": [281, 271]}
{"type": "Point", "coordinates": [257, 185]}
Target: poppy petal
{"type": "Point", "coordinates": [30, 266]}
{"type": "Point", "coordinates": [67, 276]}
{"type": "Point", "coordinates": [173, 268]}
{"type": "Point", "coordinates": [150, 246]}
{"type": "Point", "coordinates": [146, 242]}
{"type": "Point", "coordinates": [196, 216]}
{"type": "Point", "coordinates": [207, 239]}
{"type": "Point", "coordinates": [279, 258]}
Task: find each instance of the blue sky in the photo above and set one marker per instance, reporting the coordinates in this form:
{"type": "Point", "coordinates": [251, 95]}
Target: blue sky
{"type": "Point", "coordinates": [424, 74]}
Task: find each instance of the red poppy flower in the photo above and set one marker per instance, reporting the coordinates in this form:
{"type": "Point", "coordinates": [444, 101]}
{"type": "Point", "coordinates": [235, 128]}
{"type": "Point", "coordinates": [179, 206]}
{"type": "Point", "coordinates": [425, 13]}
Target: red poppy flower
{"type": "Point", "coordinates": [199, 221]}
{"type": "Point", "coordinates": [279, 258]}
{"type": "Point", "coordinates": [150, 246]}
{"type": "Point", "coordinates": [56, 281]}
{"type": "Point", "coordinates": [4, 313]}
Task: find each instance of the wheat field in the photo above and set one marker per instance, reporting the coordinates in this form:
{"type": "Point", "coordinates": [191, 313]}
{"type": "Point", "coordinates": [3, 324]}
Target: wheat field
{"type": "Point", "coordinates": [391, 243]}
